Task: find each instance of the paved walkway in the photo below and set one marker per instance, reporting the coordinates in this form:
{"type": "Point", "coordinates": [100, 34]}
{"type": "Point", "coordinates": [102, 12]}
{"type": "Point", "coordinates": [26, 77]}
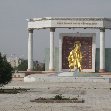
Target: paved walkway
{"type": "Point", "coordinates": [97, 96]}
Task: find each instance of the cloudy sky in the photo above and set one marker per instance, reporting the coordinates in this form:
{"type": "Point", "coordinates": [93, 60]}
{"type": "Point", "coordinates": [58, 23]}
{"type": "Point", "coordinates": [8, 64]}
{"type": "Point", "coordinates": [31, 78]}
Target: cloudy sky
{"type": "Point", "coordinates": [13, 24]}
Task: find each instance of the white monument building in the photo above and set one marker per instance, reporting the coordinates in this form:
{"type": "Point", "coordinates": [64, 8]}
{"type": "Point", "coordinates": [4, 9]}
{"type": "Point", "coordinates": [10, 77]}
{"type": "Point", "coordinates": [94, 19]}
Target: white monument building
{"type": "Point", "coordinates": [52, 23]}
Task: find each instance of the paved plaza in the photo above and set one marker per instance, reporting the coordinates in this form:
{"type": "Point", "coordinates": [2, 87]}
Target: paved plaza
{"type": "Point", "coordinates": [97, 96]}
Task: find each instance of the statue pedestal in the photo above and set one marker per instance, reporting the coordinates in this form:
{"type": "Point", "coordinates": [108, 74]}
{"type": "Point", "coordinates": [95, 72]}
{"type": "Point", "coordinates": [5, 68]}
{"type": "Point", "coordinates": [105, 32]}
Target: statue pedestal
{"type": "Point", "coordinates": [66, 74]}
{"type": "Point", "coordinates": [73, 73]}
{"type": "Point", "coordinates": [76, 72]}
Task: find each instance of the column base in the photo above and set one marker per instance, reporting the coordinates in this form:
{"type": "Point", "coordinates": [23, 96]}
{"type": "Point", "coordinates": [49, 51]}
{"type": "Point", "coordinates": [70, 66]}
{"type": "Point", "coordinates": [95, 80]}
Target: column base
{"type": "Point", "coordinates": [29, 70]}
{"type": "Point", "coordinates": [51, 69]}
{"type": "Point", "coordinates": [102, 70]}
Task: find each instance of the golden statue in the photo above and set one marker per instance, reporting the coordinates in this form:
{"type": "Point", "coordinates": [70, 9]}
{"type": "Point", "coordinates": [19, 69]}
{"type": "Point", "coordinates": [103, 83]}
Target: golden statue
{"type": "Point", "coordinates": [75, 57]}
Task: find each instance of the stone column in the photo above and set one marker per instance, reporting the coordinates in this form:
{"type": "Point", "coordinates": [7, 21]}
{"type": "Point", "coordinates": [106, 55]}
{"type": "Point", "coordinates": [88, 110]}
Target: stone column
{"type": "Point", "coordinates": [51, 61]}
{"type": "Point", "coordinates": [30, 50]}
{"type": "Point", "coordinates": [102, 50]}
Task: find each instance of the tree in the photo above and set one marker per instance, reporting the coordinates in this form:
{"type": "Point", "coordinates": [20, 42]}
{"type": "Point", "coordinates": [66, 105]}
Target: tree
{"type": "Point", "coordinates": [5, 71]}
{"type": "Point", "coordinates": [23, 65]}
{"type": "Point", "coordinates": [36, 66]}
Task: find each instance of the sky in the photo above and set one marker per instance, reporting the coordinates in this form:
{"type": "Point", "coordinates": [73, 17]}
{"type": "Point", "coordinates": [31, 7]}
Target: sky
{"type": "Point", "coordinates": [13, 24]}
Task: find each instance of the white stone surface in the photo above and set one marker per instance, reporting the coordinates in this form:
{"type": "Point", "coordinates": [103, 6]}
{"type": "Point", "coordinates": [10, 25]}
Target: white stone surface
{"type": "Point", "coordinates": [65, 77]}
{"type": "Point", "coordinates": [69, 22]}
{"type": "Point", "coordinates": [74, 73]}
{"type": "Point", "coordinates": [67, 74]}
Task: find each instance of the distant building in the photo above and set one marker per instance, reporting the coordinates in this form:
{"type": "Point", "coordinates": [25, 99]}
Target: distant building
{"type": "Point", "coordinates": [14, 61]}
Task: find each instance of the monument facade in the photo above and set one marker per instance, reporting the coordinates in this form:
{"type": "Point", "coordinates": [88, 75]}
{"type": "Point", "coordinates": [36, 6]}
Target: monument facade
{"type": "Point", "coordinates": [67, 22]}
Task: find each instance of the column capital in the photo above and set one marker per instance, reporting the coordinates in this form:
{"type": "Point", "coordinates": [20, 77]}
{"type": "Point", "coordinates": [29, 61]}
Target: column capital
{"type": "Point", "coordinates": [52, 29]}
{"type": "Point", "coordinates": [30, 30]}
{"type": "Point", "coordinates": [102, 29]}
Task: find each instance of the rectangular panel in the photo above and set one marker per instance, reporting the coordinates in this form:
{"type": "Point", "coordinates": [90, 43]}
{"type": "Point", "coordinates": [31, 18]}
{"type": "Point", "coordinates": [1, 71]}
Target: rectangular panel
{"type": "Point", "coordinates": [76, 23]}
{"type": "Point", "coordinates": [88, 49]}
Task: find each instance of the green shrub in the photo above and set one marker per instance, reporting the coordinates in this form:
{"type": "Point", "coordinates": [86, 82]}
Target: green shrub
{"type": "Point", "coordinates": [5, 71]}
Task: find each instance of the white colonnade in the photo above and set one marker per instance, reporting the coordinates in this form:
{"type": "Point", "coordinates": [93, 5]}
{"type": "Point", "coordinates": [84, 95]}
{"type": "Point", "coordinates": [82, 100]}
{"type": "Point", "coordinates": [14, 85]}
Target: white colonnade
{"type": "Point", "coordinates": [30, 50]}
{"type": "Point", "coordinates": [66, 22]}
{"type": "Point", "coordinates": [51, 61]}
